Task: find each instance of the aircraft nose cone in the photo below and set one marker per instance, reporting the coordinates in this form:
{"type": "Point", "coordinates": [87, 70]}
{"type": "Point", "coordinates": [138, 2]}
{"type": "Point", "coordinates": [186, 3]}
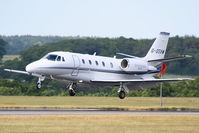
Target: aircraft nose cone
{"type": "Point", "coordinates": [29, 68]}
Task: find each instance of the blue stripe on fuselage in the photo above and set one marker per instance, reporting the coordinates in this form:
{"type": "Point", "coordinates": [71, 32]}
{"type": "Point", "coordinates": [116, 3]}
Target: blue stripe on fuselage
{"type": "Point", "coordinates": [101, 70]}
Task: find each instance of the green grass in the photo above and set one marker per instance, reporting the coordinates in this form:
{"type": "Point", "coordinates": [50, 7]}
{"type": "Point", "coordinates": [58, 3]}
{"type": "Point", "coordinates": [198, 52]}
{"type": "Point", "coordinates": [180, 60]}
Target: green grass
{"type": "Point", "coordinates": [10, 57]}
{"type": "Point", "coordinates": [100, 124]}
{"type": "Point", "coordinates": [129, 103]}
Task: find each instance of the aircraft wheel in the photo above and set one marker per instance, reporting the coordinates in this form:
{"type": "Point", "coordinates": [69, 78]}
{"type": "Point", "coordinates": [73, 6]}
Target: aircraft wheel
{"type": "Point", "coordinates": [71, 92]}
{"type": "Point", "coordinates": [38, 85]}
{"type": "Point", "coordinates": [121, 94]}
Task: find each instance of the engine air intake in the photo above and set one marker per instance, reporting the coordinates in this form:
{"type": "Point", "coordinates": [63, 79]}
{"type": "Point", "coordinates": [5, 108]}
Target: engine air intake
{"type": "Point", "coordinates": [124, 63]}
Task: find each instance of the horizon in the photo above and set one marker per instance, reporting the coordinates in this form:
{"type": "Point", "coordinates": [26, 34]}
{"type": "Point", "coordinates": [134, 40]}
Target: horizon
{"type": "Point", "coordinates": [91, 36]}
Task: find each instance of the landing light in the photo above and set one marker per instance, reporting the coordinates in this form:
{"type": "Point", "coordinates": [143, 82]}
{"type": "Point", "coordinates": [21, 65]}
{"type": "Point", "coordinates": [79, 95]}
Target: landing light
{"type": "Point", "coordinates": [80, 81]}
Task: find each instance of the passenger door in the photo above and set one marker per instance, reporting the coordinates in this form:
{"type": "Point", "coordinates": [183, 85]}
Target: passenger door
{"type": "Point", "coordinates": [76, 62]}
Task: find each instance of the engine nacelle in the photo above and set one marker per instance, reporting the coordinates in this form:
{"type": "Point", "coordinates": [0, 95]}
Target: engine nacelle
{"type": "Point", "coordinates": [130, 65]}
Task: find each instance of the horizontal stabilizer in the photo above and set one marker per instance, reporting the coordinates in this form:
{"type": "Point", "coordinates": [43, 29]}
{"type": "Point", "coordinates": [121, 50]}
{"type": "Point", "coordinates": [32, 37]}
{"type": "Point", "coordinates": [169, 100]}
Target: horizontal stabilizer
{"type": "Point", "coordinates": [126, 55]}
{"type": "Point", "coordinates": [171, 59]}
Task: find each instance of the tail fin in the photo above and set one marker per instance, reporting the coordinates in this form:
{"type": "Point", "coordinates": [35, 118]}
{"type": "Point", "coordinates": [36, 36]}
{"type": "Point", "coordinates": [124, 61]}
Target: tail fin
{"type": "Point", "coordinates": [158, 49]}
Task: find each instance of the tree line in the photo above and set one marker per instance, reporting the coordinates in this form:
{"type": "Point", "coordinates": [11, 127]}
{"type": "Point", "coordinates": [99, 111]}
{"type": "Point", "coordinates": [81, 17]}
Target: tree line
{"type": "Point", "coordinates": [2, 48]}
{"type": "Point", "coordinates": [53, 88]}
{"type": "Point", "coordinates": [25, 85]}
{"type": "Point", "coordinates": [108, 47]}
{"type": "Point", "coordinates": [18, 43]}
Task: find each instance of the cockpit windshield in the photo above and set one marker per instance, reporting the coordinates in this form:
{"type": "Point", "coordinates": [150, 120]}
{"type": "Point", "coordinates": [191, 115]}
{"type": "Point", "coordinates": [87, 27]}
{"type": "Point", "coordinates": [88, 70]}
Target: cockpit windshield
{"type": "Point", "coordinates": [53, 57]}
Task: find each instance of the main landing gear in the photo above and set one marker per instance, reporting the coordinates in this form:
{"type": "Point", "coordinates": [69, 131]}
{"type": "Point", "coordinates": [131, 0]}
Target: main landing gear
{"type": "Point", "coordinates": [72, 88]}
{"type": "Point", "coordinates": [122, 91]}
{"type": "Point", "coordinates": [39, 82]}
{"type": "Point", "coordinates": [122, 94]}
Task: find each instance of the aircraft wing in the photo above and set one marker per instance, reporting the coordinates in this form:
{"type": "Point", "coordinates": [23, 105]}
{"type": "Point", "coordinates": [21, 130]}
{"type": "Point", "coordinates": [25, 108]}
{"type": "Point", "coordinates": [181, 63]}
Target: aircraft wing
{"type": "Point", "coordinates": [141, 80]}
{"type": "Point", "coordinates": [22, 72]}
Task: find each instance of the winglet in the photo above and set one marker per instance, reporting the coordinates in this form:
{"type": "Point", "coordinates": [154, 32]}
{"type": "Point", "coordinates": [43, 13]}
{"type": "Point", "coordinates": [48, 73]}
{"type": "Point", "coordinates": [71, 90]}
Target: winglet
{"type": "Point", "coordinates": [163, 70]}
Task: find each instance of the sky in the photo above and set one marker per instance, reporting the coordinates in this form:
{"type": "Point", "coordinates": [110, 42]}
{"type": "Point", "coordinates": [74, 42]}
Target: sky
{"type": "Point", "coordinates": [99, 18]}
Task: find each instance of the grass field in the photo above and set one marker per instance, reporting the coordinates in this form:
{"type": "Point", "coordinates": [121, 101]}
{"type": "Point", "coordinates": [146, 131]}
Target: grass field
{"type": "Point", "coordinates": [129, 103]}
{"type": "Point", "coordinates": [9, 57]}
{"type": "Point", "coordinates": [99, 124]}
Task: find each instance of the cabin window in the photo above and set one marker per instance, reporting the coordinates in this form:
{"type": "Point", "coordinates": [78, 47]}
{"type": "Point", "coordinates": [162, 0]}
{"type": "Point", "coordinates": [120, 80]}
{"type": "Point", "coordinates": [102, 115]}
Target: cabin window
{"type": "Point", "coordinates": [83, 61]}
{"type": "Point", "coordinates": [59, 58]}
{"type": "Point", "coordinates": [96, 62]}
{"type": "Point", "coordinates": [103, 63]}
{"type": "Point", "coordinates": [111, 64]}
{"type": "Point", "coordinates": [51, 57]}
{"type": "Point", "coordinates": [63, 59]}
{"type": "Point", "coordinates": [90, 62]}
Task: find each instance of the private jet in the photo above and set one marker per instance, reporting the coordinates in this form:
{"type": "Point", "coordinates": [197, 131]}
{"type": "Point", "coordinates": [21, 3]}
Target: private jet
{"type": "Point", "coordinates": [128, 73]}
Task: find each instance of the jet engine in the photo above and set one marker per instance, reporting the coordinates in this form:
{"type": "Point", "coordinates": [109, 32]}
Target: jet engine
{"type": "Point", "coordinates": [130, 65]}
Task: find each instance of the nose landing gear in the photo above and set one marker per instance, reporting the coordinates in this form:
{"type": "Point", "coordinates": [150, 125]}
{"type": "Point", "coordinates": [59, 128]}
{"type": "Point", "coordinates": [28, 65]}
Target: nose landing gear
{"type": "Point", "coordinates": [39, 82]}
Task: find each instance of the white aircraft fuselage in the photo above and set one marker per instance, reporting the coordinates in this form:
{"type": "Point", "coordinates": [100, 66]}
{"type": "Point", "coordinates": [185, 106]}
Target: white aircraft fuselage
{"type": "Point", "coordinates": [85, 68]}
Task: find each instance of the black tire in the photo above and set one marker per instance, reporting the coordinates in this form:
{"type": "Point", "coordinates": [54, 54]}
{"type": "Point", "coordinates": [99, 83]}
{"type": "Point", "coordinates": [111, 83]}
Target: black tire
{"type": "Point", "coordinates": [122, 94]}
{"type": "Point", "coordinates": [71, 92]}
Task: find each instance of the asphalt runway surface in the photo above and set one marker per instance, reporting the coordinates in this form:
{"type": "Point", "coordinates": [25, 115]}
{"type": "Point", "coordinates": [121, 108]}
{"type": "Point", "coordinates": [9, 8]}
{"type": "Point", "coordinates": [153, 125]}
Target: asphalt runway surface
{"type": "Point", "coordinates": [88, 112]}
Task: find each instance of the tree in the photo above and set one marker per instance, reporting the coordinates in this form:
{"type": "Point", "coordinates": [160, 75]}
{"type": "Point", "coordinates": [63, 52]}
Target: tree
{"type": "Point", "coordinates": [2, 48]}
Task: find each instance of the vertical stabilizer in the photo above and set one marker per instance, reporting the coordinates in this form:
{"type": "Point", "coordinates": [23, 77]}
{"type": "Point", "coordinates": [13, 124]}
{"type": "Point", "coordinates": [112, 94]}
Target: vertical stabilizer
{"type": "Point", "coordinates": [158, 49]}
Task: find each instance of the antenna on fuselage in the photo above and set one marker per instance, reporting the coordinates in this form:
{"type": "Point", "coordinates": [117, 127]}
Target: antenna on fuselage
{"type": "Point", "coordinates": [94, 53]}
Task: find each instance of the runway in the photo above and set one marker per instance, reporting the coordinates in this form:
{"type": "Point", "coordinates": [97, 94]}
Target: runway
{"type": "Point", "coordinates": [89, 112]}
